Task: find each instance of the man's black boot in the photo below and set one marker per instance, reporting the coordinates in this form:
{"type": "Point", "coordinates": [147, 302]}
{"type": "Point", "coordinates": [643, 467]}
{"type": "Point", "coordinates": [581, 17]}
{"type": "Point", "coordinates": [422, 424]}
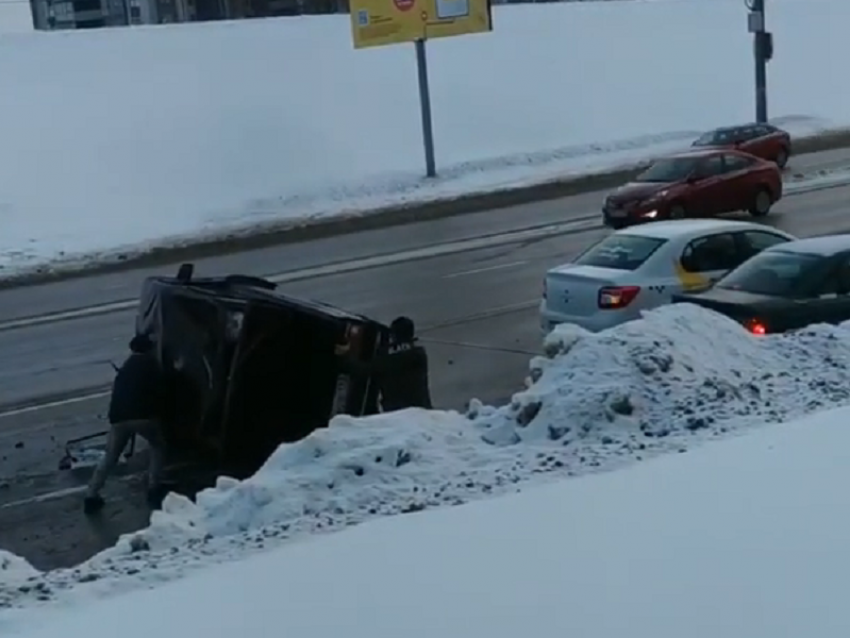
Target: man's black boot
{"type": "Point", "coordinates": [93, 504]}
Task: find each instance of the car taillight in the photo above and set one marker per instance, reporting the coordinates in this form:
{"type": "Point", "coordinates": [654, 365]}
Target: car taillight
{"type": "Point", "coordinates": [614, 297]}
{"type": "Point", "coordinates": [756, 327]}
{"type": "Point", "coordinates": [354, 336]}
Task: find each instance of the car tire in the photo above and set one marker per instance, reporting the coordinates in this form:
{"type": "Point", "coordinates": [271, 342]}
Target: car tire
{"type": "Point", "coordinates": [762, 201]}
{"type": "Point", "coordinates": [781, 158]}
{"type": "Point", "coordinates": [676, 211]}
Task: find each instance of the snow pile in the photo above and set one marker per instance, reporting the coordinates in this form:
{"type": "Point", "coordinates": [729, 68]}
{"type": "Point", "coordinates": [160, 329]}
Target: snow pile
{"type": "Point", "coordinates": [14, 570]}
{"type": "Point", "coordinates": [677, 378]}
{"type": "Point", "coordinates": [15, 17]}
{"type": "Point", "coordinates": [385, 464]}
{"type": "Point", "coordinates": [680, 369]}
{"type": "Point", "coordinates": [653, 544]}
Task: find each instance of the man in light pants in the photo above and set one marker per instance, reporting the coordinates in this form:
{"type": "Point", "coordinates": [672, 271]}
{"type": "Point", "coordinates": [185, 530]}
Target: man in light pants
{"type": "Point", "coordinates": [135, 408]}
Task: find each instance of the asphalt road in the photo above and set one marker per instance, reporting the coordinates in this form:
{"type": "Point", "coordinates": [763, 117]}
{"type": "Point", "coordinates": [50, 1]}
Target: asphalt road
{"type": "Point", "coordinates": [476, 306]}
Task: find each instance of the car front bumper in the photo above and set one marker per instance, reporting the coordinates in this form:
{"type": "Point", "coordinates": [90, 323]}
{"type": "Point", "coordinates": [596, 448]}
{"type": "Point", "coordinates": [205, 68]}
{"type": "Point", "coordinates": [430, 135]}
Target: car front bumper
{"type": "Point", "coordinates": [622, 217]}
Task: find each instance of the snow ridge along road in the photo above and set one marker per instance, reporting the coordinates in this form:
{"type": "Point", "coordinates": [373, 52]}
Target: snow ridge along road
{"type": "Point", "coordinates": [821, 153]}
{"type": "Point", "coordinates": [829, 175]}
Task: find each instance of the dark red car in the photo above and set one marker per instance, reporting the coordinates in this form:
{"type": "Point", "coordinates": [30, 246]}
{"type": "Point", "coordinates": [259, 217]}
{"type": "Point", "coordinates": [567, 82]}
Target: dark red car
{"type": "Point", "coordinates": [702, 183]}
{"type": "Point", "coordinates": [762, 140]}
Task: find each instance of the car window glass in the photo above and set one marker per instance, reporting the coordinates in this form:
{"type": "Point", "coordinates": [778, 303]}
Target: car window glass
{"type": "Point", "coordinates": [708, 139]}
{"type": "Point", "coordinates": [838, 283]}
{"type": "Point", "coordinates": [712, 253]}
{"type": "Point", "coordinates": [738, 135]}
{"type": "Point", "coordinates": [749, 133]}
{"type": "Point", "coordinates": [755, 241]}
{"type": "Point", "coordinates": [709, 167]}
{"type": "Point", "coordinates": [669, 170]}
{"type": "Point", "coordinates": [772, 272]}
{"type": "Point", "coordinates": [620, 251]}
{"type": "Point", "coordinates": [736, 163]}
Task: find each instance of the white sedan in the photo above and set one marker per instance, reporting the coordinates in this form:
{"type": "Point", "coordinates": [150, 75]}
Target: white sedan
{"type": "Point", "coordinates": [639, 268]}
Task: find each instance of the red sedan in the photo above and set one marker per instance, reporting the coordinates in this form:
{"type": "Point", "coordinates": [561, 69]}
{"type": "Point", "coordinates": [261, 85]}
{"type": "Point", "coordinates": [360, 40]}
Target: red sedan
{"type": "Point", "coordinates": [762, 140]}
{"type": "Point", "coordinates": [701, 183]}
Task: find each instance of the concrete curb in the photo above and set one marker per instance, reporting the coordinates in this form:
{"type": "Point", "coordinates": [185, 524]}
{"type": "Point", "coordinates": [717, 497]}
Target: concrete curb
{"type": "Point", "coordinates": [267, 236]}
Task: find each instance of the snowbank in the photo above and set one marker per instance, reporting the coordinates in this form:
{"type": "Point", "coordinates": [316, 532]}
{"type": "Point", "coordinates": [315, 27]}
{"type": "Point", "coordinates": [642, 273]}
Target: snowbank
{"type": "Point", "coordinates": [744, 538]}
{"type": "Point", "coordinates": [15, 17]}
{"type": "Point", "coordinates": [168, 132]}
{"type": "Point", "coordinates": [681, 369]}
{"type": "Point", "coordinates": [14, 570]}
{"type": "Point", "coordinates": [675, 379]}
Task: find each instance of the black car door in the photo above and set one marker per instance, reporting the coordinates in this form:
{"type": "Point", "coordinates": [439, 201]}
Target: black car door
{"type": "Point", "coordinates": [828, 302]}
{"type": "Point", "coordinates": [833, 304]}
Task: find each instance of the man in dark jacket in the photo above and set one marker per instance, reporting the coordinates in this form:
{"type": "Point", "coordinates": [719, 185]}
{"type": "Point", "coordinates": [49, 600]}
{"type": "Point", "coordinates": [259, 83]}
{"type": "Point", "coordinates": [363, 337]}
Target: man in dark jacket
{"type": "Point", "coordinates": [135, 408]}
{"type": "Point", "coordinates": [401, 373]}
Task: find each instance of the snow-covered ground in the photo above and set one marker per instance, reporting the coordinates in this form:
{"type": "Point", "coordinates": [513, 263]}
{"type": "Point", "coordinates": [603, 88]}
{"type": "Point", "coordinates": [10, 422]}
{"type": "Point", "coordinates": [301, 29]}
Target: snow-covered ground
{"type": "Point", "coordinates": [15, 17]}
{"type": "Point", "coordinates": [667, 383]}
{"type": "Point", "coordinates": [742, 538]}
{"type": "Point", "coordinates": [116, 138]}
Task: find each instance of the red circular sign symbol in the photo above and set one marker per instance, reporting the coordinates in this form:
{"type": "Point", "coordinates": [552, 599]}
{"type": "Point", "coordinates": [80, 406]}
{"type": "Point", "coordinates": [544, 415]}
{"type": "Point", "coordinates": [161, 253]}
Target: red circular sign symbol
{"type": "Point", "coordinates": [404, 5]}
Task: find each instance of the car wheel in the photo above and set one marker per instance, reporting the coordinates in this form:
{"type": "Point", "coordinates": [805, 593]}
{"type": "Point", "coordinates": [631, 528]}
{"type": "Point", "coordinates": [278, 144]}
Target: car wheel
{"type": "Point", "coordinates": [677, 211]}
{"type": "Point", "coordinates": [781, 158]}
{"type": "Point", "coordinates": [761, 202]}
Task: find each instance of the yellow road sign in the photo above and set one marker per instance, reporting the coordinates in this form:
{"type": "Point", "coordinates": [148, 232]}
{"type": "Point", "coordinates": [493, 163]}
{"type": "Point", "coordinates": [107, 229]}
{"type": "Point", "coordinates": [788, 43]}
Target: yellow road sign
{"type": "Point", "coordinates": [381, 22]}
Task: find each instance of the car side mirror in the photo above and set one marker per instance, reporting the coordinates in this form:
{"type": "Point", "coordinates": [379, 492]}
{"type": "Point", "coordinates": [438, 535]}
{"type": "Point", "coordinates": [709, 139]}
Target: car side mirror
{"type": "Point", "coordinates": [694, 177]}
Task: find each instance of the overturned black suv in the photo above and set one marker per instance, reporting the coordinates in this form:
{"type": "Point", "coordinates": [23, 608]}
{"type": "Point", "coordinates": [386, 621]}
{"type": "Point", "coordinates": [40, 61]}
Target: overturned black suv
{"type": "Point", "coordinates": [252, 368]}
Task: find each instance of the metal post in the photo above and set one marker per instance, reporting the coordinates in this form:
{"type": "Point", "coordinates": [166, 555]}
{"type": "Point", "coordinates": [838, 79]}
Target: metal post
{"type": "Point", "coordinates": [760, 37]}
{"type": "Point", "coordinates": [425, 108]}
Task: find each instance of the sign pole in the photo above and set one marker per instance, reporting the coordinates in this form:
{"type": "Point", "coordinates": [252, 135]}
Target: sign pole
{"type": "Point", "coordinates": [762, 45]}
{"type": "Point", "coordinates": [425, 108]}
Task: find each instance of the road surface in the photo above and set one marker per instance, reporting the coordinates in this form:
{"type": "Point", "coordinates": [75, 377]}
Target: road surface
{"type": "Point", "coordinates": [472, 283]}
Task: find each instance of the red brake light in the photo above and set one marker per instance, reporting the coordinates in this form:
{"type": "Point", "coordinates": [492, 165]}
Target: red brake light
{"type": "Point", "coordinates": [756, 327]}
{"type": "Point", "coordinates": [615, 297]}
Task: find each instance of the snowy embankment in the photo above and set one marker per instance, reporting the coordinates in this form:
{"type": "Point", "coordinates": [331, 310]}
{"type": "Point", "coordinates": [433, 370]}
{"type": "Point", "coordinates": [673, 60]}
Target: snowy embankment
{"type": "Point", "coordinates": [229, 140]}
{"type": "Point", "coordinates": [745, 539]}
{"type": "Point", "coordinates": [675, 379]}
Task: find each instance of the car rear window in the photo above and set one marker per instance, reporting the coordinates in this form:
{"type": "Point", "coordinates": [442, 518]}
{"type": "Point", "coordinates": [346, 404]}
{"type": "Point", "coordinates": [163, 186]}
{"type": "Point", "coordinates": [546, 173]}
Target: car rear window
{"type": "Point", "coordinates": [669, 170]}
{"type": "Point", "coordinates": [771, 272]}
{"type": "Point", "coordinates": [620, 251]}
{"type": "Point", "coordinates": [709, 139]}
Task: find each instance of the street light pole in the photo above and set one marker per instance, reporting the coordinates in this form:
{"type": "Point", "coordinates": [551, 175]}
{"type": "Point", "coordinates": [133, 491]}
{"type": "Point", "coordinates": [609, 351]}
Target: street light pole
{"type": "Point", "coordinates": [763, 51]}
